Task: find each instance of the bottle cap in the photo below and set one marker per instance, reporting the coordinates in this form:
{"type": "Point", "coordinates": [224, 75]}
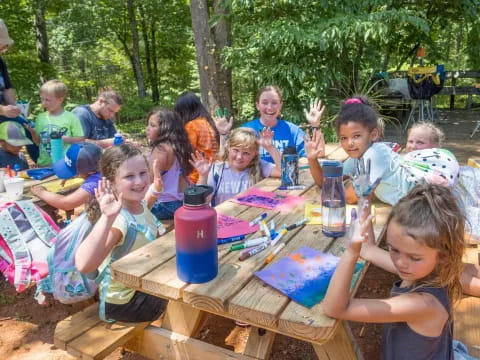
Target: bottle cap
{"type": "Point", "coordinates": [290, 150]}
{"type": "Point", "coordinates": [55, 135]}
{"type": "Point", "coordinates": [196, 195]}
{"type": "Point", "coordinates": [332, 168]}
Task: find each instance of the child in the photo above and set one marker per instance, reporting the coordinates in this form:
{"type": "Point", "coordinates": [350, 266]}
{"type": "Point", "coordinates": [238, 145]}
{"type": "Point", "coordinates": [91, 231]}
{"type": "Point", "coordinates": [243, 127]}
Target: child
{"type": "Point", "coordinates": [240, 167]}
{"type": "Point", "coordinates": [357, 129]}
{"type": "Point", "coordinates": [80, 160]}
{"type": "Point", "coordinates": [425, 241]}
{"type": "Point", "coordinates": [200, 127]}
{"type": "Point", "coordinates": [171, 149]}
{"type": "Point", "coordinates": [55, 119]}
{"type": "Point", "coordinates": [424, 135]}
{"type": "Point", "coordinates": [125, 184]}
{"type": "Point", "coordinates": [12, 139]}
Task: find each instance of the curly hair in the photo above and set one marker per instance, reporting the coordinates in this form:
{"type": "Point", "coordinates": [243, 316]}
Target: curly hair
{"type": "Point", "coordinates": [172, 132]}
{"type": "Point", "coordinates": [359, 109]}
{"type": "Point", "coordinates": [431, 214]}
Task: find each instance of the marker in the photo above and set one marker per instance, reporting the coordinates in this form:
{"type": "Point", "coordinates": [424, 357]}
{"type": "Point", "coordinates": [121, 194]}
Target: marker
{"type": "Point", "coordinates": [291, 187]}
{"type": "Point", "coordinates": [278, 237]}
{"type": "Point", "coordinates": [250, 252]}
{"type": "Point", "coordinates": [249, 243]}
{"type": "Point", "coordinates": [272, 229]}
{"type": "Point", "coordinates": [274, 253]}
{"type": "Point", "coordinates": [230, 239]}
{"type": "Point", "coordinates": [257, 219]}
{"type": "Point", "coordinates": [297, 224]}
{"type": "Point", "coordinates": [264, 227]}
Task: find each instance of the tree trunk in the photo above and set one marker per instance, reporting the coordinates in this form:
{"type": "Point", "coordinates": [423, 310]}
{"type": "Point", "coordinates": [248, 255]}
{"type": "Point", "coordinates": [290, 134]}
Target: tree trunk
{"type": "Point", "coordinates": [41, 36]}
{"type": "Point", "coordinates": [135, 50]}
{"type": "Point", "coordinates": [155, 90]}
{"type": "Point", "coordinates": [152, 81]}
{"type": "Point", "coordinates": [205, 53]}
{"type": "Point", "coordinates": [222, 35]}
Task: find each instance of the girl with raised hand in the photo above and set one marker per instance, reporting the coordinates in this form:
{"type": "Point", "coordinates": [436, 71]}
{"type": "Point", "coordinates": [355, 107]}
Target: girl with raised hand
{"type": "Point", "coordinates": [358, 129]}
{"type": "Point", "coordinates": [425, 247]}
{"type": "Point", "coordinates": [125, 185]}
{"type": "Point", "coordinates": [241, 166]}
{"type": "Point", "coordinates": [171, 150]}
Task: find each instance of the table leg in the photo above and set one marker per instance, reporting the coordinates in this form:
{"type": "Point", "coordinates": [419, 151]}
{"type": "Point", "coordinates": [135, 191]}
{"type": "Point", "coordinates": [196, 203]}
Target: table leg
{"type": "Point", "coordinates": [259, 343]}
{"type": "Point", "coordinates": [340, 347]}
{"type": "Point", "coordinates": [183, 319]}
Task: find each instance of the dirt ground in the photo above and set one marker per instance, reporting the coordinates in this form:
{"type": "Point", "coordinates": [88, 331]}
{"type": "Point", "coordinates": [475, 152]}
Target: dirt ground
{"type": "Point", "coordinates": [26, 328]}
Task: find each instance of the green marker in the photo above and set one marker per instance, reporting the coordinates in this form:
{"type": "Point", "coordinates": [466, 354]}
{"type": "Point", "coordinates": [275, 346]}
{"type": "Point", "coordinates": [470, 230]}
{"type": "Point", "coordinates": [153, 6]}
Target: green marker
{"type": "Point", "coordinates": [249, 243]}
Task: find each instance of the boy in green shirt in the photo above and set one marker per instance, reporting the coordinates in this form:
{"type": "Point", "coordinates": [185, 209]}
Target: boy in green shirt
{"type": "Point", "coordinates": [55, 119]}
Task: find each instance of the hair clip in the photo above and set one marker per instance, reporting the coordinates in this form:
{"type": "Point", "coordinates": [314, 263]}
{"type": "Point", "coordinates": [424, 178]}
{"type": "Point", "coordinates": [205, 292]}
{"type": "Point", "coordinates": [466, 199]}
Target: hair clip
{"type": "Point", "coordinates": [353, 101]}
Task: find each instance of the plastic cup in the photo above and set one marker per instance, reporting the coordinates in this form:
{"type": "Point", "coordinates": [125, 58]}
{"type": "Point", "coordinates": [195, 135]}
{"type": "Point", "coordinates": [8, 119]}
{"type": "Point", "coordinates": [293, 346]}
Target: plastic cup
{"type": "Point", "coordinates": [14, 187]}
{"type": "Point", "coordinates": [24, 107]}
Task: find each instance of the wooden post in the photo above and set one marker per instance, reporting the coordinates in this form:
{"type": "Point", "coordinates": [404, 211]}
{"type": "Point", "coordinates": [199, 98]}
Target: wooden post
{"type": "Point", "coordinates": [338, 348]}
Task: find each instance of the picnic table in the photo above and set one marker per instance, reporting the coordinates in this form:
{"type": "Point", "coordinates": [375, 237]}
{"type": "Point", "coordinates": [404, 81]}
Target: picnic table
{"type": "Point", "coordinates": [236, 293]}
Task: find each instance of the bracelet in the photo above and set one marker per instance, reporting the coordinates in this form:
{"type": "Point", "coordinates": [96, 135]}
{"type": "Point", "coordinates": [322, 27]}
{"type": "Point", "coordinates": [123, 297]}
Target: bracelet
{"type": "Point", "coordinates": [314, 127]}
{"type": "Point", "coordinates": [152, 190]}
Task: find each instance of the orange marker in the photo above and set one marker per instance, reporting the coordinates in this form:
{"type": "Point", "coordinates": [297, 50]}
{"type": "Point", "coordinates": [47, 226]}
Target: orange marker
{"type": "Point", "coordinates": [274, 253]}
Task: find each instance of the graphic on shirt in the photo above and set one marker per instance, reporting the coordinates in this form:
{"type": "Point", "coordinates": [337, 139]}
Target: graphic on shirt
{"type": "Point", "coordinates": [46, 136]}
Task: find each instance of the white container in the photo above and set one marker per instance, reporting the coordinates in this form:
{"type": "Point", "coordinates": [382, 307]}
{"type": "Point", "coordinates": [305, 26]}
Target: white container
{"type": "Point", "coordinates": [14, 187]}
{"type": "Point", "coordinates": [2, 186]}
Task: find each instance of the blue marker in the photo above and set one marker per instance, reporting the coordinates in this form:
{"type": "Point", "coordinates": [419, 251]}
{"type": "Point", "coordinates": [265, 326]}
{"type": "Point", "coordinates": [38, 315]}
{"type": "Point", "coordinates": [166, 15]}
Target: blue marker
{"type": "Point", "coordinates": [257, 219]}
{"type": "Point", "coordinates": [230, 239]}
{"type": "Point", "coordinates": [273, 233]}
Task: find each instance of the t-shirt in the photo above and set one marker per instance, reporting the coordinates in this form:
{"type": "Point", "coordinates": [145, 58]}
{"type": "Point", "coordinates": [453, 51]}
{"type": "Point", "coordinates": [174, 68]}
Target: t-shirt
{"type": "Point", "coordinates": [45, 124]}
{"type": "Point", "coordinates": [117, 292]}
{"type": "Point", "coordinates": [285, 134]}
{"type": "Point", "coordinates": [228, 183]}
{"type": "Point", "coordinates": [91, 183]}
{"type": "Point", "coordinates": [400, 342]}
{"type": "Point", "coordinates": [94, 128]}
{"type": "Point", "coordinates": [7, 158]}
{"type": "Point", "coordinates": [4, 80]}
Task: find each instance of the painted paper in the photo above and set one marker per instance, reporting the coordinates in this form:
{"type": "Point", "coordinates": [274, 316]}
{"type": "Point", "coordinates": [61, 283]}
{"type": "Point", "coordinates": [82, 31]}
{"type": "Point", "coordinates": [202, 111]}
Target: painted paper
{"type": "Point", "coordinates": [268, 200]}
{"type": "Point", "coordinates": [303, 275]}
{"type": "Point", "coordinates": [229, 226]}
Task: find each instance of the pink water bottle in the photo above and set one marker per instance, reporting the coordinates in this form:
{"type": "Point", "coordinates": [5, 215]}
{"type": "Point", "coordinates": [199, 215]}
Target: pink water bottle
{"type": "Point", "coordinates": [196, 236]}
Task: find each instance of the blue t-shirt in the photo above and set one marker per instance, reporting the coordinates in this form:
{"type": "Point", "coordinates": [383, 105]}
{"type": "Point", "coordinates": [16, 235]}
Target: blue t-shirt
{"type": "Point", "coordinates": [91, 183]}
{"type": "Point", "coordinates": [285, 134]}
{"type": "Point", "coordinates": [94, 128]}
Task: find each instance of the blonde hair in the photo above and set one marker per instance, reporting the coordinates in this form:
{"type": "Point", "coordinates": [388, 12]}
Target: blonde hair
{"type": "Point", "coordinates": [54, 87]}
{"type": "Point", "coordinates": [431, 215]}
{"type": "Point", "coordinates": [245, 138]}
{"type": "Point", "coordinates": [436, 135]}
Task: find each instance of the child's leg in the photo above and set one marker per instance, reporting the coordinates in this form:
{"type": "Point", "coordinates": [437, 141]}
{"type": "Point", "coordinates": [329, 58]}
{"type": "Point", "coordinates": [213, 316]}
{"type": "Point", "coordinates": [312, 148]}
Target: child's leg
{"type": "Point", "coordinates": [165, 210]}
{"type": "Point", "coordinates": [142, 307]}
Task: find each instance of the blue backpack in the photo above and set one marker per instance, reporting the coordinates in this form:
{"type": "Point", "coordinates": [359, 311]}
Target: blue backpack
{"type": "Point", "coordinates": [65, 282]}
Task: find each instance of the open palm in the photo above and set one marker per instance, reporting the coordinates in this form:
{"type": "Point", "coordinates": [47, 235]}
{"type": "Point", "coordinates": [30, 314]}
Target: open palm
{"type": "Point", "coordinates": [200, 163]}
{"type": "Point", "coordinates": [315, 114]}
{"type": "Point", "coordinates": [109, 204]}
{"type": "Point", "coordinates": [314, 145]}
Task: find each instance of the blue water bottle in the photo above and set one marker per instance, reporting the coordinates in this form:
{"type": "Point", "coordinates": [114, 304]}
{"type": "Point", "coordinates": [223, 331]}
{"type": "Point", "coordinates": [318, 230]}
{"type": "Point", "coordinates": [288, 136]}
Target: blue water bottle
{"type": "Point", "coordinates": [56, 146]}
{"type": "Point", "coordinates": [117, 139]}
{"type": "Point", "coordinates": [290, 166]}
{"type": "Point", "coordinates": [333, 199]}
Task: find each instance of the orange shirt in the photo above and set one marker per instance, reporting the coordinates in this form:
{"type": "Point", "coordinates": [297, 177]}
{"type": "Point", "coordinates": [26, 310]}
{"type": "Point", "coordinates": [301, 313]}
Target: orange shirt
{"type": "Point", "coordinates": [202, 138]}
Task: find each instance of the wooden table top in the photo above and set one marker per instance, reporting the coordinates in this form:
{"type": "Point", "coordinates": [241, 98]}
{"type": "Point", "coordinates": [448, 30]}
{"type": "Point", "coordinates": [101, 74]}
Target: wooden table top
{"type": "Point", "coordinates": [236, 293]}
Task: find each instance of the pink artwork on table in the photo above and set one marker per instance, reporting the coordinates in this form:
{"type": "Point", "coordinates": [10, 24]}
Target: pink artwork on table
{"type": "Point", "coordinates": [229, 226]}
{"type": "Point", "coordinates": [268, 200]}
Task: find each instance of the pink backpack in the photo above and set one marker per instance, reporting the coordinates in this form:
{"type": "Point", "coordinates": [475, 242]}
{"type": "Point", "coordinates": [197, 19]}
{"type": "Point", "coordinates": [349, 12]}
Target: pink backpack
{"type": "Point", "coordinates": [26, 234]}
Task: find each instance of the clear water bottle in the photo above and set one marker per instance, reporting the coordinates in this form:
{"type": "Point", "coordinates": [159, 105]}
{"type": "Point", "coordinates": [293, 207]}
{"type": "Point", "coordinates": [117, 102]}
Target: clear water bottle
{"type": "Point", "coordinates": [117, 139]}
{"type": "Point", "coordinates": [289, 166]}
{"type": "Point", "coordinates": [333, 199]}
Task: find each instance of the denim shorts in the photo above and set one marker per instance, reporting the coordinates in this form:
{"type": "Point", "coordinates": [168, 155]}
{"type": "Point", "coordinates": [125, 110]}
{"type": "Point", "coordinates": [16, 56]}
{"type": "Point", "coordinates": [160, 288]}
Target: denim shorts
{"type": "Point", "coordinates": [165, 210]}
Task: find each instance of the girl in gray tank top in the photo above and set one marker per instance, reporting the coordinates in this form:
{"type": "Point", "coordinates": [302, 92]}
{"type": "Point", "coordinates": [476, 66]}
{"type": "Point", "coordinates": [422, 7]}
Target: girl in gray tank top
{"type": "Point", "coordinates": [425, 246]}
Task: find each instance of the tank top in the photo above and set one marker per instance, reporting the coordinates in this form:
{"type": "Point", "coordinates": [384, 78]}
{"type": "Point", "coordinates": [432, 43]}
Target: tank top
{"type": "Point", "coordinates": [170, 179]}
{"type": "Point", "coordinates": [400, 342]}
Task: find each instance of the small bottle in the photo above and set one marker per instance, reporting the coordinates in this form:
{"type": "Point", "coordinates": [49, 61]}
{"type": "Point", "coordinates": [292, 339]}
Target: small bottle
{"type": "Point", "coordinates": [117, 139]}
{"type": "Point", "coordinates": [196, 236]}
{"type": "Point", "coordinates": [333, 199]}
{"type": "Point", "coordinates": [289, 166]}
{"type": "Point", "coordinates": [56, 144]}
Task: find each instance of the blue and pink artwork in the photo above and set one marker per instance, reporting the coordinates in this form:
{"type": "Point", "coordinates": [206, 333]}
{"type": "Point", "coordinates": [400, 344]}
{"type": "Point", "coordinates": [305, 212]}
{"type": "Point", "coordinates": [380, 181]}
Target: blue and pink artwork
{"type": "Point", "coordinates": [303, 275]}
{"type": "Point", "coordinates": [268, 200]}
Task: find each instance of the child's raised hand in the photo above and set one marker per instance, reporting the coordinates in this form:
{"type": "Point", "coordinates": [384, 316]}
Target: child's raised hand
{"type": "Point", "coordinates": [314, 145]}
{"type": "Point", "coordinates": [314, 116]}
{"type": "Point", "coordinates": [266, 138]}
{"type": "Point", "coordinates": [223, 124]}
{"type": "Point", "coordinates": [109, 204]}
{"type": "Point", "coordinates": [358, 231]}
{"type": "Point", "coordinates": [199, 162]}
{"type": "Point", "coordinates": [157, 176]}
{"type": "Point", "coordinates": [361, 180]}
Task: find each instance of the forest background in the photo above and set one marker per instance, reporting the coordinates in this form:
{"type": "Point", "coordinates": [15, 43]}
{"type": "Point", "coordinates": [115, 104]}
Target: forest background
{"type": "Point", "coordinates": [225, 50]}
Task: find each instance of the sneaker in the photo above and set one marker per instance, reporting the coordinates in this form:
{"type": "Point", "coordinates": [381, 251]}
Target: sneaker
{"type": "Point", "coordinates": [241, 324]}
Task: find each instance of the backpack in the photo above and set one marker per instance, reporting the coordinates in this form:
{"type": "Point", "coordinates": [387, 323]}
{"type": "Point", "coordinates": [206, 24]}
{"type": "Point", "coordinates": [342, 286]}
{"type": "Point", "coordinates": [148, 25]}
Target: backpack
{"type": "Point", "coordinates": [26, 236]}
{"type": "Point", "coordinates": [65, 282]}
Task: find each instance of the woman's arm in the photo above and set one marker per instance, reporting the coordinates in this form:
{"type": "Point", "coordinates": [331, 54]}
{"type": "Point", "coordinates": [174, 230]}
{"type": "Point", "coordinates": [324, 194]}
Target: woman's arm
{"type": "Point", "coordinates": [102, 238]}
{"type": "Point", "coordinates": [72, 139]}
{"type": "Point", "coordinates": [63, 202]}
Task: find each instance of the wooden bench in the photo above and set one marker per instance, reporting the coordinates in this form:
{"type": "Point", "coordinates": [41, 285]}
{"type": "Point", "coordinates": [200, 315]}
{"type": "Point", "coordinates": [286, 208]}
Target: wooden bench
{"type": "Point", "coordinates": [85, 336]}
{"type": "Point", "coordinates": [466, 326]}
